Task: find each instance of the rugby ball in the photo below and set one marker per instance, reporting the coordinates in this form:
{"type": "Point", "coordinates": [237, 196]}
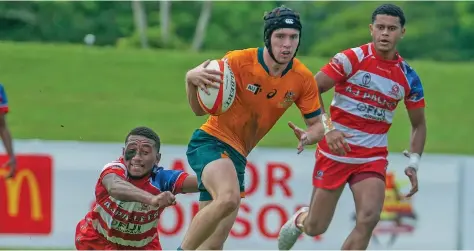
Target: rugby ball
{"type": "Point", "coordinates": [219, 100]}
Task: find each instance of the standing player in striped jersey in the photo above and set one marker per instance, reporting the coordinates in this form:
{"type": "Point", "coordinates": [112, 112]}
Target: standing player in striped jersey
{"type": "Point", "coordinates": [369, 82]}
{"type": "Point", "coordinates": [130, 194]}
{"type": "Point", "coordinates": [5, 133]}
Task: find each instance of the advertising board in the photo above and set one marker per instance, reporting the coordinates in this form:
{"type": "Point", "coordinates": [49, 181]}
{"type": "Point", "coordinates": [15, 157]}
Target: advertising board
{"type": "Point", "coordinates": [278, 182]}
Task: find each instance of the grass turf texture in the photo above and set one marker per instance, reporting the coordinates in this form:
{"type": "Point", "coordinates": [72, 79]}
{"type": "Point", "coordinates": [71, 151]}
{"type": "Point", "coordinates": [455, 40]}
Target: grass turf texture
{"type": "Point", "coordinates": [65, 92]}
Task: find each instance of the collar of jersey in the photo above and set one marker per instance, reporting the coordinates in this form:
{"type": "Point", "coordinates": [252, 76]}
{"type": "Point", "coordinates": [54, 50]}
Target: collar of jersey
{"type": "Point", "coordinates": [374, 52]}
{"type": "Point", "coordinates": [265, 67]}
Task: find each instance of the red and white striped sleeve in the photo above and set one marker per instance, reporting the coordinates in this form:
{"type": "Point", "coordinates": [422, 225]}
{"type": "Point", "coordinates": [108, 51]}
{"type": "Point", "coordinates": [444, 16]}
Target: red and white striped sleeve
{"type": "Point", "coordinates": [343, 65]}
{"type": "Point", "coordinates": [117, 168]}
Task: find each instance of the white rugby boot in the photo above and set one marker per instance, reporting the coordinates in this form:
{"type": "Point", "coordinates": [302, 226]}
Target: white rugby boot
{"type": "Point", "coordinates": [289, 232]}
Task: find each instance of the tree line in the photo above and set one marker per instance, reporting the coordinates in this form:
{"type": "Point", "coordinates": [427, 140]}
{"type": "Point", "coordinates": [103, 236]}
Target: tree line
{"type": "Point", "coordinates": [435, 30]}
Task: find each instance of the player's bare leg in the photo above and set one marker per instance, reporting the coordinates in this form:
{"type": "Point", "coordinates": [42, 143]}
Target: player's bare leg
{"type": "Point", "coordinates": [321, 211]}
{"type": "Point", "coordinates": [217, 239]}
{"type": "Point", "coordinates": [369, 196]}
{"type": "Point", "coordinates": [312, 221]}
{"type": "Point", "coordinates": [220, 179]}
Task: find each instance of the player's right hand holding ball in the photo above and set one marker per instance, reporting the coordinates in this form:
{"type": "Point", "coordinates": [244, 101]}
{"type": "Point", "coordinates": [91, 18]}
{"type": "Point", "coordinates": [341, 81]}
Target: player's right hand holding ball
{"type": "Point", "coordinates": [337, 143]}
{"type": "Point", "coordinates": [201, 77]}
{"type": "Point", "coordinates": [163, 200]}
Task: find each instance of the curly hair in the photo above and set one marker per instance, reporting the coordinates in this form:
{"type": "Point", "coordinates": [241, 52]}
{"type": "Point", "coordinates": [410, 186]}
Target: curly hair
{"type": "Point", "coordinates": [147, 133]}
{"type": "Point", "coordinates": [389, 10]}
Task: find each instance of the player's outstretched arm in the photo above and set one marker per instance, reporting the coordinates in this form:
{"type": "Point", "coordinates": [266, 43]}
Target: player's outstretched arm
{"type": "Point", "coordinates": [175, 181]}
{"type": "Point", "coordinates": [122, 190]}
{"type": "Point", "coordinates": [310, 106]}
{"type": "Point", "coordinates": [318, 122]}
{"type": "Point", "coordinates": [316, 128]}
{"type": "Point", "coordinates": [200, 77]}
{"type": "Point", "coordinates": [190, 184]}
{"type": "Point", "coordinates": [8, 144]}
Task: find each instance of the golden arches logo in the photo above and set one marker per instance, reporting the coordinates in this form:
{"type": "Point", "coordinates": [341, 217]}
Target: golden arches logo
{"type": "Point", "coordinates": [13, 189]}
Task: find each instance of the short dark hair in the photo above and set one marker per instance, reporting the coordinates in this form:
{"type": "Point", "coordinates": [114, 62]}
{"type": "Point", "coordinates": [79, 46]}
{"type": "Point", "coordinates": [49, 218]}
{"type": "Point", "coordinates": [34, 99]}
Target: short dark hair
{"type": "Point", "coordinates": [390, 10]}
{"type": "Point", "coordinates": [147, 133]}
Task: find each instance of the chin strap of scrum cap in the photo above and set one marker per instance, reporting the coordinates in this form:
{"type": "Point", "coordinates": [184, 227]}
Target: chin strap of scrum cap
{"type": "Point", "coordinates": [278, 18]}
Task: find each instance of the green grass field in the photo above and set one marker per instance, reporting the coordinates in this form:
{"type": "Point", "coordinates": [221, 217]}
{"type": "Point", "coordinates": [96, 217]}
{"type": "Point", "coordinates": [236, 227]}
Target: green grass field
{"type": "Point", "coordinates": [66, 92]}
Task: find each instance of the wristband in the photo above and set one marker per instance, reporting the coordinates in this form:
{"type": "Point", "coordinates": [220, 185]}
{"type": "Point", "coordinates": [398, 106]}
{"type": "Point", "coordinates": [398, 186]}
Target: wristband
{"type": "Point", "coordinates": [414, 161]}
{"type": "Point", "coordinates": [327, 123]}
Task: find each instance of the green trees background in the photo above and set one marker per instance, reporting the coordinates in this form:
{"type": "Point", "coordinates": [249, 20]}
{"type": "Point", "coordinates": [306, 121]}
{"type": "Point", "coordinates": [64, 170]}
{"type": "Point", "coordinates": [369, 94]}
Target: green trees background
{"type": "Point", "coordinates": [435, 30]}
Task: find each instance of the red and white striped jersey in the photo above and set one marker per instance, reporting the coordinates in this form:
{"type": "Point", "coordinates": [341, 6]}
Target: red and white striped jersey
{"type": "Point", "coordinates": [368, 89]}
{"type": "Point", "coordinates": [131, 224]}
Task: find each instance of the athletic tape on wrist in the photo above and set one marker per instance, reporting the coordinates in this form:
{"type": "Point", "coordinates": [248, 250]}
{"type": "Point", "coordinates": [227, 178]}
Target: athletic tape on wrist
{"type": "Point", "coordinates": [327, 123]}
{"type": "Point", "coordinates": [414, 161]}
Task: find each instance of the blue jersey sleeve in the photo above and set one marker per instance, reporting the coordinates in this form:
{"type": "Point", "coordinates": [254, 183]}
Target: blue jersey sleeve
{"type": "Point", "coordinates": [3, 100]}
{"type": "Point", "coordinates": [415, 98]}
{"type": "Point", "coordinates": [167, 180]}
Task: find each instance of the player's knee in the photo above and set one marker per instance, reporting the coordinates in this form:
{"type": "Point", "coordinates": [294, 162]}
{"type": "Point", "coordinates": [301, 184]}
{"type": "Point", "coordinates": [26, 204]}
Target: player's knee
{"type": "Point", "coordinates": [314, 225]}
{"type": "Point", "coordinates": [367, 219]}
{"type": "Point", "coordinates": [228, 202]}
{"type": "Point", "coordinates": [315, 228]}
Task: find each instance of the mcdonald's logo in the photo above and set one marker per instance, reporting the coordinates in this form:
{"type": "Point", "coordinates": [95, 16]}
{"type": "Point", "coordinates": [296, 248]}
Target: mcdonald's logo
{"type": "Point", "coordinates": [26, 199]}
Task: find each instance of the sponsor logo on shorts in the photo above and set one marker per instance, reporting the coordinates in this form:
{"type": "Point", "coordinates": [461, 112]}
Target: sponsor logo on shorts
{"type": "Point", "coordinates": [319, 175]}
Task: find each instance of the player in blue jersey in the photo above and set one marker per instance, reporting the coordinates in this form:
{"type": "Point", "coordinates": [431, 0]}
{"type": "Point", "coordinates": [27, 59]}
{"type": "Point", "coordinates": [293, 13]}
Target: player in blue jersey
{"type": "Point", "coordinates": [5, 134]}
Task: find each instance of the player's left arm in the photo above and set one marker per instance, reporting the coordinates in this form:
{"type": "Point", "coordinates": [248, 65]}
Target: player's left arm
{"type": "Point", "coordinates": [6, 135]}
{"type": "Point", "coordinates": [315, 129]}
{"type": "Point", "coordinates": [311, 108]}
{"type": "Point", "coordinates": [175, 181]}
{"type": "Point", "coordinates": [418, 130]}
{"type": "Point", "coordinates": [415, 104]}
{"type": "Point", "coordinates": [190, 184]}
{"type": "Point", "coordinates": [5, 132]}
